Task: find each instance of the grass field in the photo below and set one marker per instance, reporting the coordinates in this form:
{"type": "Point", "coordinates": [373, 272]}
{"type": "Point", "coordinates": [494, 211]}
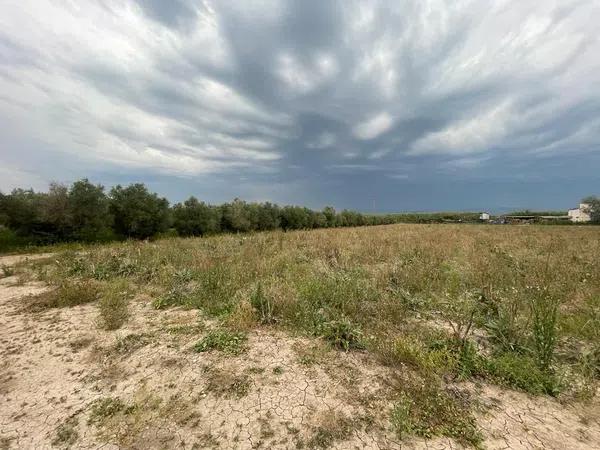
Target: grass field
{"type": "Point", "coordinates": [433, 310]}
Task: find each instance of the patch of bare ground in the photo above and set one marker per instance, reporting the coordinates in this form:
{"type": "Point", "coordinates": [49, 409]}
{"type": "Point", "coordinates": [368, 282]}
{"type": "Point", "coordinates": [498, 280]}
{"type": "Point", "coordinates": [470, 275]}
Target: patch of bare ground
{"type": "Point", "coordinates": [65, 382]}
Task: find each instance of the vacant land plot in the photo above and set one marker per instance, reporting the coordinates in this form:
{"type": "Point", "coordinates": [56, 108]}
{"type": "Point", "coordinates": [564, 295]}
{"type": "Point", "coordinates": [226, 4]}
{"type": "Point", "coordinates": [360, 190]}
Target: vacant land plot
{"type": "Point", "coordinates": [384, 337]}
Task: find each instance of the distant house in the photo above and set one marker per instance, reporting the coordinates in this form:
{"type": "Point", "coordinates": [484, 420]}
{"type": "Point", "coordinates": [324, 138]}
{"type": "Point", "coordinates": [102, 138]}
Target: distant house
{"type": "Point", "coordinates": [581, 214]}
{"type": "Point", "coordinates": [484, 216]}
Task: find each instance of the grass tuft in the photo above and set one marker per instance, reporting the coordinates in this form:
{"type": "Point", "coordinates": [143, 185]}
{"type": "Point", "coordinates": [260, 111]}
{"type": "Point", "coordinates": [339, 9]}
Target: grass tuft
{"type": "Point", "coordinates": [113, 305]}
{"type": "Point", "coordinates": [67, 294]}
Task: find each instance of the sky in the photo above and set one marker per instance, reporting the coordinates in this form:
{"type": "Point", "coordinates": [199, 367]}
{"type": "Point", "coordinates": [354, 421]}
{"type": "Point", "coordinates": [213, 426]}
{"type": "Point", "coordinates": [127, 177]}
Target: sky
{"type": "Point", "coordinates": [399, 105]}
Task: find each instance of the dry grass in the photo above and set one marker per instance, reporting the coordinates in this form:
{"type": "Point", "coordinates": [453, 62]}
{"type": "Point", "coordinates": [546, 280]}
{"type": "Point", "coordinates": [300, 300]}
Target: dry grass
{"type": "Point", "coordinates": [514, 305]}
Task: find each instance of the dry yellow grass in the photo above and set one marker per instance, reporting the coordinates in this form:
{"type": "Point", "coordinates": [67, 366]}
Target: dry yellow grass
{"type": "Point", "coordinates": [515, 306]}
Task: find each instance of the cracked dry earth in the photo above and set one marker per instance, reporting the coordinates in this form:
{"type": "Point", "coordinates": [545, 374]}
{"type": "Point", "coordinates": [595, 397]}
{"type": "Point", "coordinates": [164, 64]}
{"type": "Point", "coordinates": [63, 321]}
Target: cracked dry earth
{"type": "Point", "coordinates": [284, 392]}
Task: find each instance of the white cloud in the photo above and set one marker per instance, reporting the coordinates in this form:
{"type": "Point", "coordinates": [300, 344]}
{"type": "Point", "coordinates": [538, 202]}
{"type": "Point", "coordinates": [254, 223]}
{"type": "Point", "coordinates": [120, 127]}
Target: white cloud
{"type": "Point", "coordinates": [467, 136]}
{"type": "Point", "coordinates": [104, 113]}
{"type": "Point", "coordinates": [373, 127]}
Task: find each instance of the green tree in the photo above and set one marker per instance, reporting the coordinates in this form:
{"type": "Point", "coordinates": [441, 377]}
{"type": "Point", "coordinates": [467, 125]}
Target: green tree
{"type": "Point", "coordinates": [88, 210]}
{"type": "Point", "coordinates": [268, 216]}
{"type": "Point", "coordinates": [295, 218]}
{"type": "Point", "coordinates": [330, 216]}
{"type": "Point", "coordinates": [55, 210]}
{"type": "Point", "coordinates": [195, 218]}
{"type": "Point", "coordinates": [137, 212]}
{"type": "Point", "coordinates": [236, 216]}
{"type": "Point", "coordinates": [23, 213]}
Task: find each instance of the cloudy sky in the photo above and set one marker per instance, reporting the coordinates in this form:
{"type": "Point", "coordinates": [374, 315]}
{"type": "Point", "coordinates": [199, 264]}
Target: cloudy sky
{"type": "Point", "coordinates": [373, 105]}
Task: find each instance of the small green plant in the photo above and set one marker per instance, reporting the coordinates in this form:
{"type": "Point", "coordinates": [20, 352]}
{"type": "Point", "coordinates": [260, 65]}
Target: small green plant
{"type": "Point", "coordinates": [342, 334]}
{"type": "Point", "coordinates": [173, 297]}
{"type": "Point", "coordinates": [425, 409]}
{"type": "Point", "coordinates": [113, 309]}
{"type": "Point", "coordinates": [544, 311]}
{"type": "Point", "coordinates": [186, 329]}
{"type": "Point", "coordinates": [229, 342]}
{"type": "Point", "coordinates": [504, 332]}
{"type": "Point", "coordinates": [410, 351]}
{"type": "Point", "coordinates": [400, 417]}
{"type": "Point", "coordinates": [522, 372]}
{"type": "Point", "coordinates": [66, 433]}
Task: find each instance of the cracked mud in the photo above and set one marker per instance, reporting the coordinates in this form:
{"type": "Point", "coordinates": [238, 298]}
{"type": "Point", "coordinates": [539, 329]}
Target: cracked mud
{"type": "Point", "coordinates": [65, 383]}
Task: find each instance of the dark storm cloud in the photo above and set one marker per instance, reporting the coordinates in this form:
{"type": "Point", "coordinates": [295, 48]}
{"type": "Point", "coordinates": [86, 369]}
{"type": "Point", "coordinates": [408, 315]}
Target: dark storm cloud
{"type": "Point", "coordinates": [377, 104]}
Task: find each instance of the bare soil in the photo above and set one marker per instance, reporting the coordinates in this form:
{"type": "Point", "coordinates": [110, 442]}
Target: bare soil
{"type": "Point", "coordinates": [57, 366]}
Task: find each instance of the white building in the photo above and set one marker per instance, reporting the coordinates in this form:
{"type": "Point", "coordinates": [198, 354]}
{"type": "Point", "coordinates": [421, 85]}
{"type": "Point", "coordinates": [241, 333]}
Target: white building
{"type": "Point", "coordinates": [581, 214]}
{"type": "Point", "coordinates": [484, 216]}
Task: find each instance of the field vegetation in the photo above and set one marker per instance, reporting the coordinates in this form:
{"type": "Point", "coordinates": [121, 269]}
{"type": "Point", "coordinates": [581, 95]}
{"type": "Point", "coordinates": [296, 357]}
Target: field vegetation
{"type": "Point", "coordinates": [518, 307]}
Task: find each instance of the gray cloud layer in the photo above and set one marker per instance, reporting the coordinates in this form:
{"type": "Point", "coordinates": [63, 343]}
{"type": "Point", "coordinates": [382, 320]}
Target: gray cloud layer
{"type": "Point", "coordinates": [353, 102]}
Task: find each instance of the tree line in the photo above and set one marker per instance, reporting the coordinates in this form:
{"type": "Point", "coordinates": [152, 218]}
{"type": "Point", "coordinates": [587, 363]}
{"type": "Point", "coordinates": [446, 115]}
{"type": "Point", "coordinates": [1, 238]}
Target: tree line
{"type": "Point", "coordinates": [85, 212]}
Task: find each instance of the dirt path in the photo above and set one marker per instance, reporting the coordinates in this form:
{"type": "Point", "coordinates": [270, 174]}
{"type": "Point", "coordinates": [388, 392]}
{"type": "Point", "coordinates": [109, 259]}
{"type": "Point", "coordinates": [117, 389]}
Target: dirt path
{"type": "Point", "coordinates": [64, 382]}
{"type": "Point", "coordinates": [11, 260]}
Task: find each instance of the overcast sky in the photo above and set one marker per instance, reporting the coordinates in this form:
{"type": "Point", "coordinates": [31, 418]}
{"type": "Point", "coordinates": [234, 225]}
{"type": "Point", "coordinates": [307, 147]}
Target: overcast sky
{"type": "Point", "coordinates": [371, 105]}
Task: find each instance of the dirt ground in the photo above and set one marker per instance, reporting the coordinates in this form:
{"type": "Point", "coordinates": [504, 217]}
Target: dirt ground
{"type": "Point", "coordinates": [60, 374]}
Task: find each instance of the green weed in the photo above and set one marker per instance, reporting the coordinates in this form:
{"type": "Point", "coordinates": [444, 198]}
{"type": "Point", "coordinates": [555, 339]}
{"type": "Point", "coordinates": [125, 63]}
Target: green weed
{"type": "Point", "coordinates": [425, 409]}
{"type": "Point", "coordinates": [231, 343]}
{"type": "Point", "coordinates": [342, 334]}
